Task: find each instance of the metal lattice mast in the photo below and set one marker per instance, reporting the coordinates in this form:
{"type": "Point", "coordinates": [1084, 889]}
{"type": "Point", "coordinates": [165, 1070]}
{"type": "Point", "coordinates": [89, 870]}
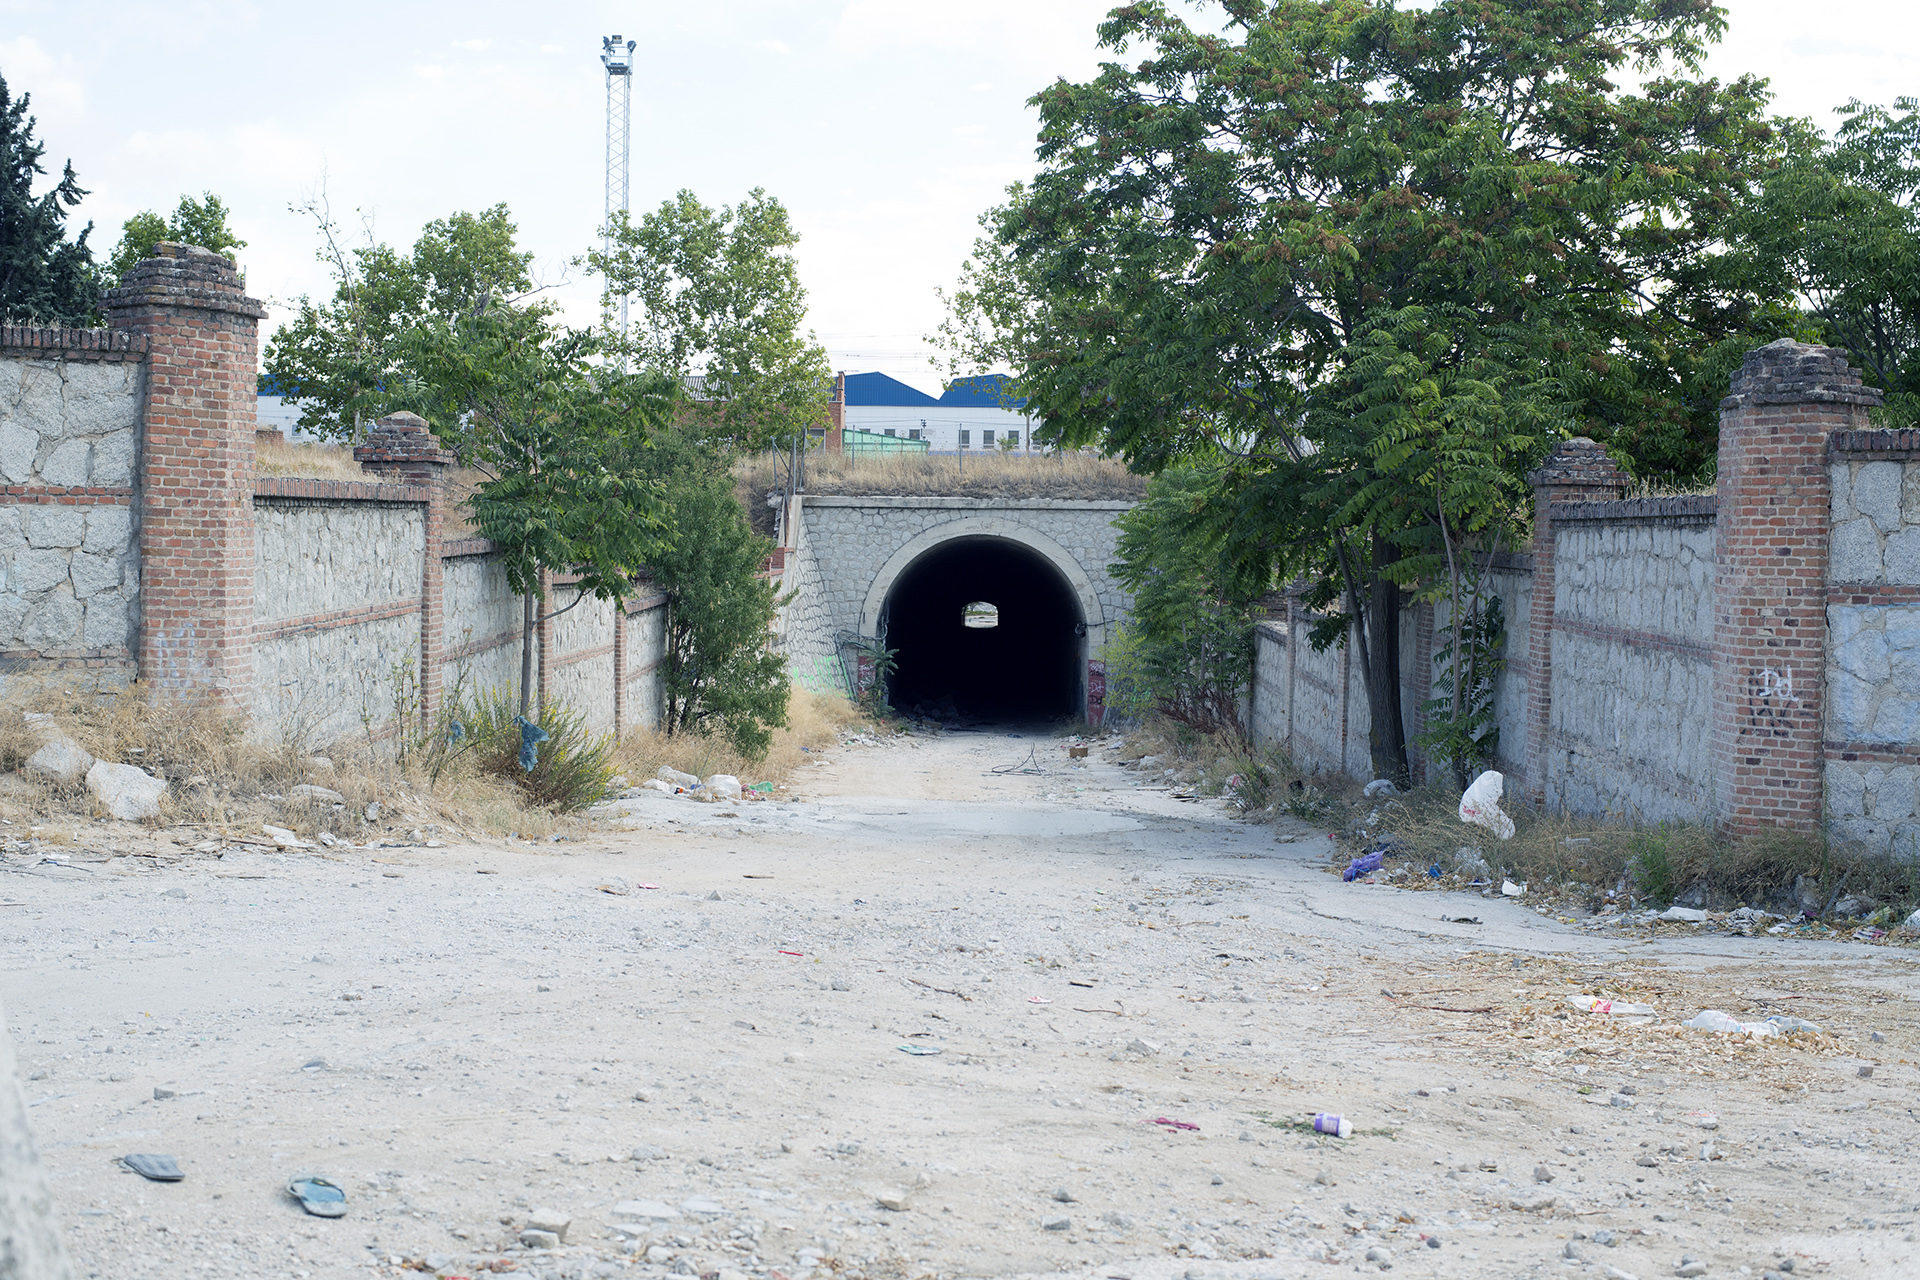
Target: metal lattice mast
{"type": "Point", "coordinates": [618, 60]}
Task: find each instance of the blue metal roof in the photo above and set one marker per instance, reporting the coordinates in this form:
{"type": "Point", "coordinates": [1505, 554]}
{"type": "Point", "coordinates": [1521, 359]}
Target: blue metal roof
{"type": "Point", "coordinates": [989, 391]}
{"type": "Point", "coordinates": [871, 389]}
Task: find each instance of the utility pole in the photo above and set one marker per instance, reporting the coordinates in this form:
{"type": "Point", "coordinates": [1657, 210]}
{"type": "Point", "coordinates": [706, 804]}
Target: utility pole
{"type": "Point", "coordinates": [618, 60]}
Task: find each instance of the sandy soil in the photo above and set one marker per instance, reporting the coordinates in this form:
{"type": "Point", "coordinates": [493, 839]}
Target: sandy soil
{"type": "Point", "coordinates": [688, 1038]}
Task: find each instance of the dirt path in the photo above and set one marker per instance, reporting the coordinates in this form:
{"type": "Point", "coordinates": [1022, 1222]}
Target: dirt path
{"type": "Point", "coordinates": [708, 1076]}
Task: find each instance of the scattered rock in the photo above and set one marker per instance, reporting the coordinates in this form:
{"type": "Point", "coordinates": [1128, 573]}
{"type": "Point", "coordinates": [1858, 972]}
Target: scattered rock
{"type": "Point", "coordinates": [644, 1152]}
{"type": "Point", "coordinates": [1854, 905]}
{"type": "Point", "coordinates": [1145, 1048]}
{"type": "Point", "coordinates": [1605, 1238]}
{"type": "Point", "coordinates": [282, 837]}
{"type": "Point", "coordinates": [645, 1210]}
{"type": "Point", "coordinates": [1690, 1267]}
{"type": "Point", "coordinates": [175, 892]}
{"type": "Point", "coordinates": [1379, 787]}
{"type": "Point", "coordinates": [533, 1239]}
{"type": "Point", "coordinates": [161, 1095]}
{"type": "Point", "coordinates": [551, 1221]}
{"type": "Point", "coordinates": [702, 1206]}
{"type": "Point", "coordinates": [372, 812]}
{"type": "Point", "coordinates": [1534, 1201]}
{"type": "Point", "coordinates": [1057, 1224]}
{"type": "Point", "coordinates": [61, 761]}
{"type": "Point", "coordinates": [1063, 1195]}
{"type": "Point", "coordinates": [319, 795]}
{"type": "Point", "coordinates": [1542, 1174]}
{"type": "Point", "coordinates": [125, 791]}
{"type": "Point", "coordinates": [1380, 1254]}
{"type": "Point", "coordinates": [895, 1201]}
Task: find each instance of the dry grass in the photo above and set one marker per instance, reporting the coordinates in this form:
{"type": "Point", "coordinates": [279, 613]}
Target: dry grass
{"type": "Point", "coordinates": [275, 455]}
{"type": "Point", "coordinates": [1073, 475]}
{"type": "Point", "coordinates": [814, 720]}
{"type": "Point", "coordinates": [222, 780]}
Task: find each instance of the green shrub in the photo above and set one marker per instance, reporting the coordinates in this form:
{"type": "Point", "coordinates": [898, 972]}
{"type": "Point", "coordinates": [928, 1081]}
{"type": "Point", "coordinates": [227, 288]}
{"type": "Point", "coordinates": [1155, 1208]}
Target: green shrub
{"type": "Point", "coordinates": [572, 767]}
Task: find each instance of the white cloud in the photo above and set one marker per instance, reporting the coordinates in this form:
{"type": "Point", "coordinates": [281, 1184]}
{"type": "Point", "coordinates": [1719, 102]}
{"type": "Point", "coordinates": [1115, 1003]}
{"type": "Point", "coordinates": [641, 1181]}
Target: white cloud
{"type": "Point", "coordinates": [780, 47]}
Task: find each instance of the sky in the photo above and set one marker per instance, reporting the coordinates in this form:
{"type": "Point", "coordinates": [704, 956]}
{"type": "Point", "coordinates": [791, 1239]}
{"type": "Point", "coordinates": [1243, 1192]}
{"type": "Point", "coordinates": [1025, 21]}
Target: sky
{"type": "Point", "coordinates": [886, 126]}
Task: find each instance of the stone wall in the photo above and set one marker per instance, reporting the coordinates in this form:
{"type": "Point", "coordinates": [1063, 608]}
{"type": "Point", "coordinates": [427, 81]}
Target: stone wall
{"type": "Point", "coordinates": [1872, 734]}
{"type": "Point", "coordinates": [582, 672]}
{"type": "Point", "coordinates": [644, 658]}
{"type": "Point", "coordinates": [70, 404]}
{"type": "Point", "coordinates": [483, 620]}
{"type": "Point", "coordinates": [337, 572]}
{"type": "Point", "coordinates": [1628, 732]}
{"type": "Point", "coordinates": [803, 629]}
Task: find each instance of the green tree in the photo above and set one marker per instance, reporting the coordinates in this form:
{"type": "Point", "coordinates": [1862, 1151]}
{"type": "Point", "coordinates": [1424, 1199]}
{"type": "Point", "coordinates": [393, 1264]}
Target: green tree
{"type": "Point", "coordinates": [1187, 650]}
{"type": "Point", "coordinates": [1380, 257]}
{"type": "Point", "coordinates": [721, 674]}
{"type": "Point", "coordinates": [202, 222]}
{"type": "Point", "coordinates": [1840, 218]}
{"type": "Point", "coordinates": [561, 446]}
{"type": "Point", "coordinates": [719, 299]}
{"type": "Point", "coordinates": [45, 278]}
{"type": "Point", "coordinates": [346, 360]}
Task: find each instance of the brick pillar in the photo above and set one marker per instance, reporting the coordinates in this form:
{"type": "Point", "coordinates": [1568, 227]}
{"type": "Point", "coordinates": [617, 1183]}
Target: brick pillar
{"type": "Point", "coordinates": [403, 447]}
{"type": "Point", "coordinates": [1578, 470]}
{"type": "Point", "coordinates": [1769, 585]}
{"type": "Point", "coordinates": [196, 469]}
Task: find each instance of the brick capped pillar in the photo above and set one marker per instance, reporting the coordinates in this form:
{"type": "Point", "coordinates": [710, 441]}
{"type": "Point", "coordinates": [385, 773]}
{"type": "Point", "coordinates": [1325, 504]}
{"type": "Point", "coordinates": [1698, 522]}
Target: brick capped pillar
{"type": "Point", "coordinates": [1578, 470]}
{"type": "Point", "coordinates": [1769, 597]}
{"type": "Point", "coordinates": [402, 447]}
{"type": "Point", "coordinates": [196, 469]}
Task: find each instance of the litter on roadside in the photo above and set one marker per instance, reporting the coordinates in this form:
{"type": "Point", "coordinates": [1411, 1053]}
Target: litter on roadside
{"type": "Point", "coordinates": [1778, 1025]}
{"type": "Point", "coordinates": [1480, 804]}
{"type": "Point", "coordinates": [154, 1168]}
{"type": "Point", "coordinates": [1508, 889]}
{"type": "Point", "coordinates": [1038, 1000]}
{"type": "Point", "coordinates": [1618, 1008]}
{"type": "Point", "coordinates": [1334, 1125]}
{"type": "Point", "coordinates": [319, 1197]}
{"type": "Point", "coordinates": [1363, 864]}
{"type": "Point", "coordinates": [1182, 1125]}
{"type": "Point", "coordinates": [921, 1050]}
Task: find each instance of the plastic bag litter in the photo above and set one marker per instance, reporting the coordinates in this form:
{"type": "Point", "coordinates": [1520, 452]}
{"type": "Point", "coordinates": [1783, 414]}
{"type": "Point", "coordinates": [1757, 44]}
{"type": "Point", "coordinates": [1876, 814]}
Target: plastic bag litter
{"type": "Point", "coordinates": [1380, 787]}
{"type": "Point", "coordinates": [724, 785]}
{"type": "Point", "coordinates": [685, 781]}
{"type": "Point", "coordinates": [1480, 805]}
{"type": "Point", "coordinates": [1361, 865]}
{"type": "Point", "coordinates": [1714, 1020]}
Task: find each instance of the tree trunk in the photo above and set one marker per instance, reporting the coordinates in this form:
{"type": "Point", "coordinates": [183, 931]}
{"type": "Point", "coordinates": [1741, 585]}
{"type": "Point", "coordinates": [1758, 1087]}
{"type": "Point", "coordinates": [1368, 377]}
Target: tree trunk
{"type": "Point", "coordinates": [1386, 733]}
{"type": "Point", "coordinates": [527, 624]}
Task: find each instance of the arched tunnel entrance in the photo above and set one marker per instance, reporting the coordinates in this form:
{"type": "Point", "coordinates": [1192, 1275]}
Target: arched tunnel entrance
{"type": "Point", "coordinates": [1019, 660]}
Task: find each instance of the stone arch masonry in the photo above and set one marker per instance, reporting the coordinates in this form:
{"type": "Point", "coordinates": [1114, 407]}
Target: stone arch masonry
{"type": "Point", "coordinates": [847, 552]}
{"type": "Point", "coordinates": [137, 540]}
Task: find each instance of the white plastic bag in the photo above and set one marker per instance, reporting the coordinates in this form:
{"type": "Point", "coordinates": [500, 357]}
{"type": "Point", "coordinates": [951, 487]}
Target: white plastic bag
{"type": "Point", "coordinates": [724, 785]}
{"type": "Point", "coordinates": [1715, 1020]}
{"type": "Point", "coordinates": [1480, 805]}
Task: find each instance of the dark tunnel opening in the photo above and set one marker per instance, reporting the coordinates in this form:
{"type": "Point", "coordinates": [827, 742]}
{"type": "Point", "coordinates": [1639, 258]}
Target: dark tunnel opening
{"type": "Point", "coordinates": [1019, 662]}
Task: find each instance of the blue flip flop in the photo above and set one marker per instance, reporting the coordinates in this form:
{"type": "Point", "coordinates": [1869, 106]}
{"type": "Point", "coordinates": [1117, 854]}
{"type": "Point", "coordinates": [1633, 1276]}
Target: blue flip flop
{"type": "Point", "coordinates": [319, 1197]}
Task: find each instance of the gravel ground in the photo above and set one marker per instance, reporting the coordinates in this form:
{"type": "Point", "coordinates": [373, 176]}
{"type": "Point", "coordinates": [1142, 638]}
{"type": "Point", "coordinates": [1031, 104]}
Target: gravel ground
{"type": "Point", "coordinates": [704, 1042]}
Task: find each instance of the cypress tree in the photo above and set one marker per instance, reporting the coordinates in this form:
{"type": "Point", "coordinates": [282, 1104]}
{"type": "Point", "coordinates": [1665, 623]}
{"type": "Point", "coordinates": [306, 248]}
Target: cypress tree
{"type": "Point", "coordinates": [44, 277]}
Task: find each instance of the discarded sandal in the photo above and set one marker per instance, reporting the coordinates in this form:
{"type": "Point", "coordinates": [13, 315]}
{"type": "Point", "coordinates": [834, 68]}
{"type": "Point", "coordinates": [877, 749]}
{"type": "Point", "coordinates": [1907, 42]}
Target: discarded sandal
{"type": "Point", "coordinates": [319, 1197]}
{"type": "Point", "coordinates": [154, 1168]}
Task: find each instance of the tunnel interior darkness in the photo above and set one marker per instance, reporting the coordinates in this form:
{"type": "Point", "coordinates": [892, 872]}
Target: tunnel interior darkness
{"type": "Point", "coordinates": [1024, 668]}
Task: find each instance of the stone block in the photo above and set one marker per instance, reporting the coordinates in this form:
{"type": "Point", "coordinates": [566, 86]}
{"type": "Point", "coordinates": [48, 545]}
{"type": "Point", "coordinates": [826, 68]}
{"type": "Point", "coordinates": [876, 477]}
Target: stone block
{"type": "Point", "coordinates": [1910, 497]}
{"type": "Point", "coordinates": [52, 623]}
{"type": "Point", "coordinates": [13, 615]}
{"type": "Point", "coordinates": [1846, 790]}
{"type": "Point", "coordinates": [1896, 719]}
{"type": "Point", "coordinates": [1840, 494]}
{"type": "Point", "coordinates": [1893, 798]}
{"type": "Point", "coordinates": [113, 460]}
{"type": "Point", "coordinates": [109, 623]}
{"type": "Point", "coordinates": [109, 530]}
{"type": "Point", "coordinates": [12, 533]}
{"type": "Point", "coordinates": [17, 449]}
{"type": "Point", "coordinates": [93, 574]}
{"type": "Point", "coordinates": [1876, 494]}
{"type": "Point", "coordinates": [36, 570]}
{"type": "Point", "coordinates": [1902, 556]}
{"type": "Point", "coordinates": [56, 527]}
{"type": "Point", "coordinates": [102, 399]}
{"type": "Point", "coordinates": [1858, 651]}
{"type": "Point", "coordinates": [1850, 704]}
{"type": "Point", "coordinates": [1854, 554]}
{"type": "Point", "coordinates": [68, 465]}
